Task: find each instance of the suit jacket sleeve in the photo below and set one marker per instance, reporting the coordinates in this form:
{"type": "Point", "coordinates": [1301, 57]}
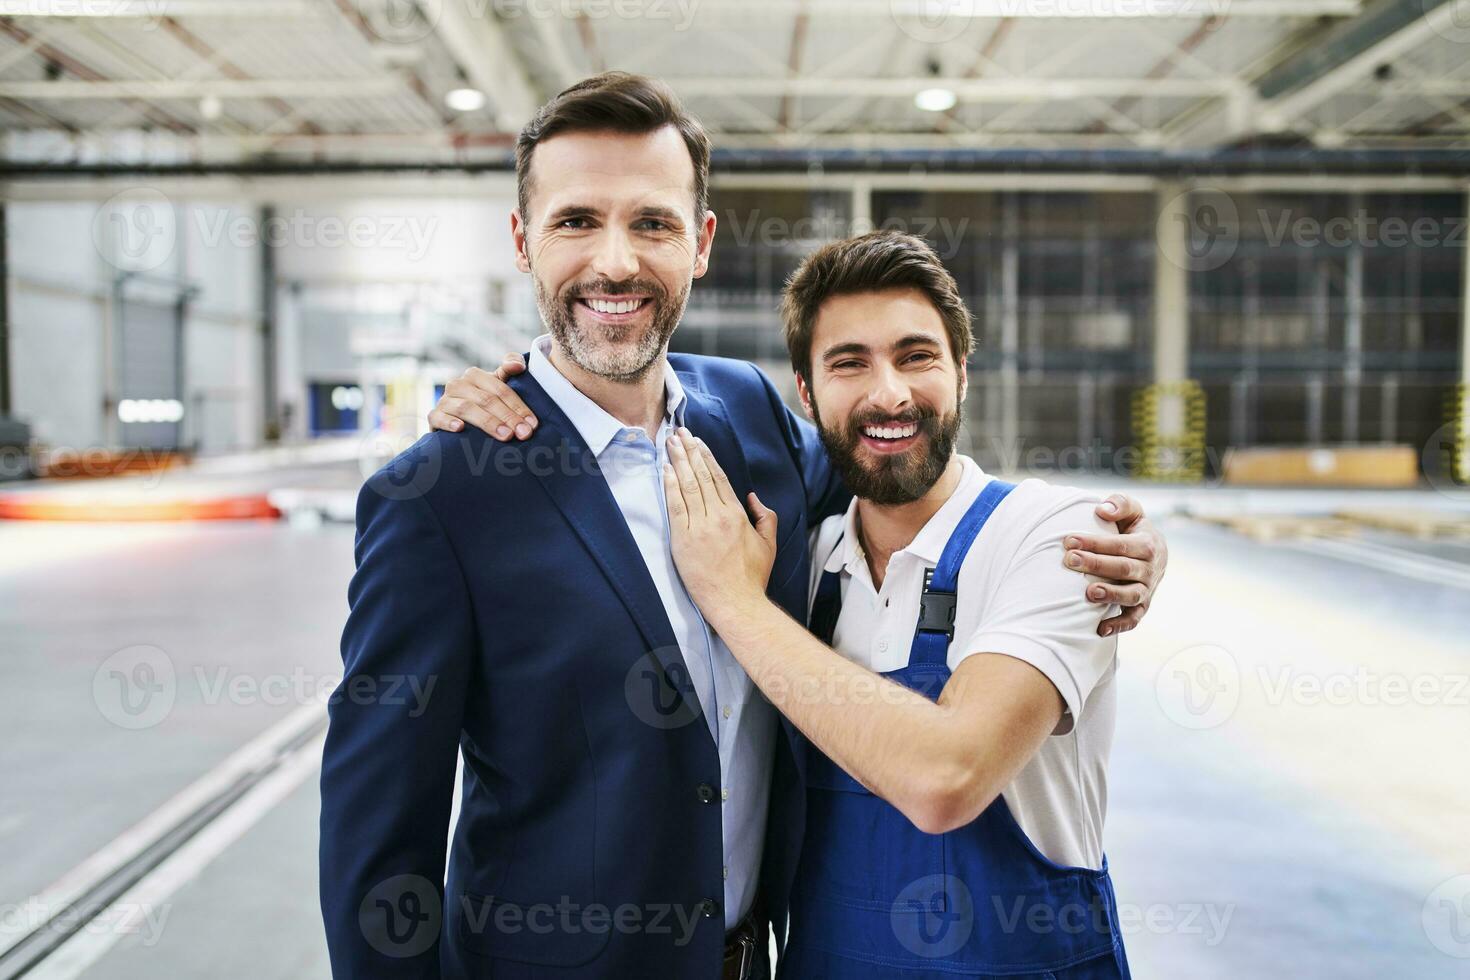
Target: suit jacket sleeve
{"type": "Point", "coordinates": [388, 767]}
{"type": "Point", "coordinates": [826, 494]}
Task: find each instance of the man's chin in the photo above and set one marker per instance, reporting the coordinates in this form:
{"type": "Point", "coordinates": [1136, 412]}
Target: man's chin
{"type": "Point", "coordinates": [619, 359]}
{"type": "Point", "coordinates": [887, 471]}
{"type": "Point", "coordinates": [891, 478]}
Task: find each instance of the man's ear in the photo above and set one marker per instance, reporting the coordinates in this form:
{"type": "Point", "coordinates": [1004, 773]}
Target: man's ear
{"type": "Point", "coordinates": [704, 244]}
{"type": "Point", "coordinates": [805, 394]}
{"type": "Point", "coordinates": [518, 236]}
{"type": "Point", "coordinates": [964, 382]}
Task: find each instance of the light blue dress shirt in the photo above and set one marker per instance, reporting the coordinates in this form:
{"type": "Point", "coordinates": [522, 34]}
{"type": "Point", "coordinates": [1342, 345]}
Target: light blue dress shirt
{"type": "Point", "coordinates": [742, 723]}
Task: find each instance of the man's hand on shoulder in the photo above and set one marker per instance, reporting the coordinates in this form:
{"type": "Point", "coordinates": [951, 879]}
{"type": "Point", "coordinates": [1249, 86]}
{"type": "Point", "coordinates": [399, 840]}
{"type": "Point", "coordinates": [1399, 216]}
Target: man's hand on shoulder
{"type": "Point", "coordinates": [483, 399]}
{"type": "Point", "coordinates": [1132, 561]}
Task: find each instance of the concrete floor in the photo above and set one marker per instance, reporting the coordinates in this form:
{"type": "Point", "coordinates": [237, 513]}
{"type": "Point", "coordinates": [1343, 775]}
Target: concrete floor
{"type": "Point", "coordinates": [1255, 829]}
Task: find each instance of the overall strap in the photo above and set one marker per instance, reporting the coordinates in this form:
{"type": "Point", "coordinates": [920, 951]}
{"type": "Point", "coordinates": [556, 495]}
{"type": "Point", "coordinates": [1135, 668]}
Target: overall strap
{"type": "Point", "coordinates": [935, 628]}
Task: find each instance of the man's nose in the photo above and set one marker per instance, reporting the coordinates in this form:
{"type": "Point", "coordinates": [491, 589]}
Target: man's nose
{"type": "Point", "coordinates": [890, 391]}
{"type": "Point", "coordinates": [615, 258]}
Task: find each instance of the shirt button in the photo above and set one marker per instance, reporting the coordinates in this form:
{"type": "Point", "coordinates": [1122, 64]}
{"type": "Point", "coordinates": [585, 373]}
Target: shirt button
{"type": "Point", "coordinates": [725, 872]}
{"type": "Point", "coordinates": [706, 793]}
{"type": "Point", "coordinates": [724, 794]}
{"type": "Point", "coordinates": [883, 645]}
{"type": "Point", "coordinates": [727, 711]}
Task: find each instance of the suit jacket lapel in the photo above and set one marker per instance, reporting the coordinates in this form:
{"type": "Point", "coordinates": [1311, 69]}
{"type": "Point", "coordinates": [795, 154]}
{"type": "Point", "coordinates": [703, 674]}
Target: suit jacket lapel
{"type": "Point", "coordinates": [704, 415]}
{"type": "Point", "coordinates": [576, 485]}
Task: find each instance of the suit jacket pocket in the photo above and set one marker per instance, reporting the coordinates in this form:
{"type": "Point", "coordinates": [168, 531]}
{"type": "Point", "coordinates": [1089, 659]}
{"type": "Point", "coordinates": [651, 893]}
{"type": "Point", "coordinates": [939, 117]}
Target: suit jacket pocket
{"type": "Point", "coordinates": [566, 932]}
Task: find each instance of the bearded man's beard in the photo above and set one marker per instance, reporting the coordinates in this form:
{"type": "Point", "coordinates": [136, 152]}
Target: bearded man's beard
{"type": "Point", "coordinates": [623, 354]}
{"type": "Point", "coordinates": [899, 478]}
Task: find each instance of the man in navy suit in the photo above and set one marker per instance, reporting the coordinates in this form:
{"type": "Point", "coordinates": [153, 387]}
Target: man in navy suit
{"type": "Point", "coordinates": [617, 761]}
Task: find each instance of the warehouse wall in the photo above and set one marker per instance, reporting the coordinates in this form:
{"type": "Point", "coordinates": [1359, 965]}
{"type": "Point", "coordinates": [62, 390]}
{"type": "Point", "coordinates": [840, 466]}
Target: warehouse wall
{"type": "Point", "coordinates": [65, 263]}
{"type": "Point", "coordinates": [360, 280]}
{"type": "Point", "coordinates": [370, 266]}
{"type": "Point", "coordinates": [1285, 353]}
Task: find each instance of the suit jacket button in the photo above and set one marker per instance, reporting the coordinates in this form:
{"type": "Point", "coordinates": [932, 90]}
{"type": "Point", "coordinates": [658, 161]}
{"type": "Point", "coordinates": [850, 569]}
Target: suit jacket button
{"type": "Point", "coordinates": [709, 908]}
{"type": "Point", "coordinates": [706, 793]}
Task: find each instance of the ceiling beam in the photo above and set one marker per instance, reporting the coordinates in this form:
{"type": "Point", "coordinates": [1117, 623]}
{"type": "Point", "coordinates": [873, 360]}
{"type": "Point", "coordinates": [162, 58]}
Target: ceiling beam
{"type": "Point", "coordinates": [194, 89]}
{"type": "Point", "coordinates": [924, 11]}
{"type": "Point", "coordinates": [154, 10]}
{"type": "Point", "coordinates": [479, 44]}
{"type": "Point", "coordinates": [1345, 57]}
{"type": "Point", "coordinates": [793, 61]}
{"type": "Point", "coordinates": [1018, 89]}
{"type": "Point", "coordinates": [558, 57]}
{"type": "Point", "coordinates": [372, 35]}
{"type": "Point", "coordinates": [87, 75]}
{"type": "Point", "coordinates": [1181, 52]}
{"type": "Point", "coordinates": [215, 60]}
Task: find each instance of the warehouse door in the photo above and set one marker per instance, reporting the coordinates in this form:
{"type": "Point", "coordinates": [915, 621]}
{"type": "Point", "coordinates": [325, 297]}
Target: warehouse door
{"type": "Point", "coordinates": [150, 362]}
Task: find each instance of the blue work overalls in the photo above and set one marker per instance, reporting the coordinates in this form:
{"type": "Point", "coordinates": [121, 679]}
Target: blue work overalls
{"type": "Point", "coordinates": [874, 897]}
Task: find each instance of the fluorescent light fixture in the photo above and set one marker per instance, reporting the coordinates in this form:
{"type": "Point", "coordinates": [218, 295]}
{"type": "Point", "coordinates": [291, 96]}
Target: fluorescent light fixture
{"type": "Point", "coordinates": [935, 100]}
{"type": "Point", "coordinates": [150, 410]}
{"type": "Point", "coordinates": [465, 99]}
{"type": "Point", "coordinates": [345, 399]}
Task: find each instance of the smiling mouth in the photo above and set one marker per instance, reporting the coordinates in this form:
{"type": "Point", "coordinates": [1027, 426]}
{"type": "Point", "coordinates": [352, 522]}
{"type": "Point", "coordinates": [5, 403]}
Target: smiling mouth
{"type": "Point", "coordinates": [614, 308]}
{"type": "Point", "coordinates": [890, 437]}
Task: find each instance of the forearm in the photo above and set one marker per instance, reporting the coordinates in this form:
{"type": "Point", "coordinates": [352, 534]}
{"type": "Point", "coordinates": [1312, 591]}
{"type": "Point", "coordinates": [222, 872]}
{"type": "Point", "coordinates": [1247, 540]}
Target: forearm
{"type": "Point", "coordinates": [913, 752]}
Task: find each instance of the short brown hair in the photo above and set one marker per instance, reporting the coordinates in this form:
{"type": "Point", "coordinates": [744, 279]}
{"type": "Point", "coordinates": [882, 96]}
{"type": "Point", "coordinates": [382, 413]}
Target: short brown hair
{"type": "Point", "coordinates": [876, 261]}
{"type": "Point", "coordinates": [618, 101]}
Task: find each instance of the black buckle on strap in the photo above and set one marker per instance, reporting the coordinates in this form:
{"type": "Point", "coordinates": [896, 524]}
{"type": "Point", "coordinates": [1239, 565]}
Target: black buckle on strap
{"type": "Point", "coordinates": [936, 609]}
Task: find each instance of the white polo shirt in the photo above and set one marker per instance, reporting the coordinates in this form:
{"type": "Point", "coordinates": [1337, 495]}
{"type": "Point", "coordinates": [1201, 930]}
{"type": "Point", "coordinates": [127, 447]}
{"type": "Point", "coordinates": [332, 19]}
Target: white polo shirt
{"type": "Point", "coordinates": [1016, 597]}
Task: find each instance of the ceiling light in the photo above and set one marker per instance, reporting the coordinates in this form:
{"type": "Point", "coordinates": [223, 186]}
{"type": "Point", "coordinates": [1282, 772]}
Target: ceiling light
{"type": "Point", "coordinates": [936, 99]}
{"type": "Point", "coordinates": [465, 100]}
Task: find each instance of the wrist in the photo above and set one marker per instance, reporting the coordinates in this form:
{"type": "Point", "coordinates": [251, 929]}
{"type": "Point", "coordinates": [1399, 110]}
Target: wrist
{"type": "Point", "coordinates": [735, 604]}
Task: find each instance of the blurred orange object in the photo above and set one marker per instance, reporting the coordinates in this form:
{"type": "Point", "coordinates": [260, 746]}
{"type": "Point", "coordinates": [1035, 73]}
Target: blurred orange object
{"type": "Point", "coordinates": [99, 463]}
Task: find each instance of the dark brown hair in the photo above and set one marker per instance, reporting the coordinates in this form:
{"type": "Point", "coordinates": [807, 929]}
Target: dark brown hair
{"type": "Point", "coordinates": [867, 263]}
{"type": "Point", "coordinates": [618, 101]}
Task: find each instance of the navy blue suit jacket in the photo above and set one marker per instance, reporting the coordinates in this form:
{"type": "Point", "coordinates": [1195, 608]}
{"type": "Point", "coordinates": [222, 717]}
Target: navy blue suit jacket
{"type": "Point", "coordinates": [501, 611]}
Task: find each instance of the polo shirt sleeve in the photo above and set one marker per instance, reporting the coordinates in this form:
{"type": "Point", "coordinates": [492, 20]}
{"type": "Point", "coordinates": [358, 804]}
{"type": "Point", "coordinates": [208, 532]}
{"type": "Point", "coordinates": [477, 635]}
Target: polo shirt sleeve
{"type": "Point", "coordinates": [1038, 611]}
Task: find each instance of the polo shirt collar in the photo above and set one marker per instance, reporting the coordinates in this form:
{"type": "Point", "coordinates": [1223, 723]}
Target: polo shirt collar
{"type": "Point", "coordinates": [929, 543]}
{"type": "Point", "coordinates": [593, 423]}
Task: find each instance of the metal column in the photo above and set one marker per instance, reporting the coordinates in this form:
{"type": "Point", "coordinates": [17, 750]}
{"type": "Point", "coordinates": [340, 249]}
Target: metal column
{"type": "Point", "coordinates": [1171, 306]}
{"type": "Point", "coordinates": [4, 316]}
{"type": "Point", "coordinates": [268, 316]}
{"type": "Point", "coordinates": [1352, 343]}
{"type": "Point", "coordinates": [1010, 328]}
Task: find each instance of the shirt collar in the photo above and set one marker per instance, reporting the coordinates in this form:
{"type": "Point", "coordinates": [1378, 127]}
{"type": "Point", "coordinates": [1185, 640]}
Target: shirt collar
{"type": "Point", "coordinates": [929, 543]}
{"type": "Point", "coordinates": [593, 422]}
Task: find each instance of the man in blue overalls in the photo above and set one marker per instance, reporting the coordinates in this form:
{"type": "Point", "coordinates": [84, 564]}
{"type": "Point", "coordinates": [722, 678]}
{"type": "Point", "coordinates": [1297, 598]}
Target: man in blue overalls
{"type": "Point", "coordinates": [952, 707]}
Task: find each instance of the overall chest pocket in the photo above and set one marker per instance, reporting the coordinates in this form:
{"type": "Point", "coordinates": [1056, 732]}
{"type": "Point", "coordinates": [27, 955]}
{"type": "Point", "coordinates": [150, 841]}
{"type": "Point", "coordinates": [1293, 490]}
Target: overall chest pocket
{"type": "Point", "coordinates": [860, 851]}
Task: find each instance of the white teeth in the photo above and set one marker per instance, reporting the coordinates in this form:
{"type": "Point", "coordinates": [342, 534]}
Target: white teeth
{"type": "Point", "coordinates": [891, 431]}
{"type": "Point", "coordinates": [604, 306]}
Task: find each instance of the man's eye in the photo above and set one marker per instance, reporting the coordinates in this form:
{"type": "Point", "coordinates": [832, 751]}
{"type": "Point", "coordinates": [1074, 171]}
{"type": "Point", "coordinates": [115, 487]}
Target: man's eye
{"type": "Point", "coordinates": [922, 355]}
{"type": "Point", "coordinates": [842, 365]}
{"type": "Point", "coordinates": [652, 224]}
{"type": "Point", "coordinates": [573, 223]}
